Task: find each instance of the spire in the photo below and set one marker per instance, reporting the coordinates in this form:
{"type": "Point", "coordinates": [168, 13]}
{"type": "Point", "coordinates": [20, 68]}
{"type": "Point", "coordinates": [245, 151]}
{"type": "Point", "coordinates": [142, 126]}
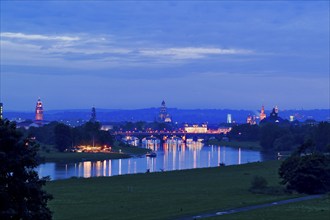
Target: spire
{"type": "Point", "coordinates": [163, 115]}
{"type": "Point", "coordinates": [262, 115]}
{"type": "Point", "coordinates": [93, 115]}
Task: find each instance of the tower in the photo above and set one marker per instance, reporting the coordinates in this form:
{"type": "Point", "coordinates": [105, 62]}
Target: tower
{"type": "Point", "coordinates": [229, 118]}
{"type": "Point", "coordinates": [39, 111]}
{"type": "Point", "coordinates": [262, 113]}
{"type": "Point", "coordinates": [162, 112]}
{"type": "Point", "coordinates": [93, 115]}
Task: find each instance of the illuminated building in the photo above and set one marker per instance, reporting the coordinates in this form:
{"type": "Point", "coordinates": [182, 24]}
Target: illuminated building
{"type": "Point", "coordinates": [251, 120]}
{"type": "Point", "coordinates": [134, 141]}
{"type": "Point", "coordinates": [1, 111]}
{"type": "Point", "coordinates": [39, 111]}
{"type": "Point", "coordinates": [196, 129]}
{"type": "Point", "coordinates": [273, 117]}
{"type": "Point", "coordinates": [106, 127]}
{"type": "Point", "coordinates": [93, 115]}
{"type": "Point", "coordinates": [163, 115]}
{"type": "Point", "coordinates": [229, 118]}
{"type": "Point", "coordinates": [262, 113]}
{"type": "Point", "coordinates": [291, 118]}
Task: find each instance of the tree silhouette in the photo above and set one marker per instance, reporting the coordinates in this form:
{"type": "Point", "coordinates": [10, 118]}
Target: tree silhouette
{"type": "Point", "coordinates": [306, 171]}
{"type": "Point", "coordinates": [21, 194]}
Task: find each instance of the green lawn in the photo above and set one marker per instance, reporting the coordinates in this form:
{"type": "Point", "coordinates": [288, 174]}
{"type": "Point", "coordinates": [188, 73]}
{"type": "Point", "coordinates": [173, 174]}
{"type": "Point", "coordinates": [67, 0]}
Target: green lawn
{"type": "Point", "coordinates": [161, 195]}
{"type": "Point", "coordinates": [252, 145]}
{"type": "Point", "coordinates": [318, 209]}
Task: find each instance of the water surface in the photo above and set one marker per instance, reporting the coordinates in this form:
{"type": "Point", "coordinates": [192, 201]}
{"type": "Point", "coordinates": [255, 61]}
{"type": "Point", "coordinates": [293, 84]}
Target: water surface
{"type": "Point", "coordinates": [169, 157]}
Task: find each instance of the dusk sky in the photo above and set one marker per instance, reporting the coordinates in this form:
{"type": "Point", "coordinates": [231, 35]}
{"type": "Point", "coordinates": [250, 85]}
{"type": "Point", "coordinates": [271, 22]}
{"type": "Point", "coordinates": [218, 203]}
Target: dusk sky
{"type": "Point", "coordinates": [194, 54]}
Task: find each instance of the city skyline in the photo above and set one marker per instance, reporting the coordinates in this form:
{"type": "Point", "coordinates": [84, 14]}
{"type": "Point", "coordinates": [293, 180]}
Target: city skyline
{"type": "Point", "coordinates": [132, 55]}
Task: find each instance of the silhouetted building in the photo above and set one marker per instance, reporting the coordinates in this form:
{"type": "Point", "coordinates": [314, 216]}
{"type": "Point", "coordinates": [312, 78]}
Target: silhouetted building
{"type": "Point", "coordinates": [93, 115]}
{"type": "Point", "coordinates": [39, 112]}
{"type": "Point", "coordinates": [273, 117]}
{"type": "Point", "coordinates": [163, 115]}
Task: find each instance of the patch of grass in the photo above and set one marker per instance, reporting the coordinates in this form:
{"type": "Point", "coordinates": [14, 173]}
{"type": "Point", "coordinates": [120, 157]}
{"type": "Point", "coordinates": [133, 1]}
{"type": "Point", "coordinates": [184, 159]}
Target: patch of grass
{"type": "Point", "coordinates": [314, 209]}
{"type": "Point", "coordinates": [164, 195]}
{"type": "Point", "coordinates": [252, 145]}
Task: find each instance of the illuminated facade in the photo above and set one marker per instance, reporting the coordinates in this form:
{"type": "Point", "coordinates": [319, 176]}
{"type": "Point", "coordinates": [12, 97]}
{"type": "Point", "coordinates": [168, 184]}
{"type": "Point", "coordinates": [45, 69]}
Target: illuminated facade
{"type": "Point", "coordinates": [229, 118]}
{"type": "Point", "coordinates": [196, 129]}
{"type": "Point", "coordinates": [262, 113]}
{"type": "Point", "coordinates": [39, 111]}
{"type": "Point", "coordinates": [163, 115]}
{"type": "Point", "coordinates": [251, 120]}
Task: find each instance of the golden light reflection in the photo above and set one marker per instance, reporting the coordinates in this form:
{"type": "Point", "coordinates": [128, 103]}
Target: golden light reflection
{"type": "Point", "coordinates": [98, 168]}
{"type": "Point", "coordinates": [87, 169]}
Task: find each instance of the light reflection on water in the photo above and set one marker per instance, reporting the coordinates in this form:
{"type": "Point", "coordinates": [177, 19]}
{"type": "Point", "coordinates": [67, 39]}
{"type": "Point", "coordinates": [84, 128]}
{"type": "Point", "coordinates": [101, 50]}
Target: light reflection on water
{"type": "Point", "coordinates": [169, 157]}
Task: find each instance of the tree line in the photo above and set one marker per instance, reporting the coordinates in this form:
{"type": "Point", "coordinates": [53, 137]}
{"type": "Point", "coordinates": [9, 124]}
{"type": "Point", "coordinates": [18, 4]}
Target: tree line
{"type": "Point", "coordinates": [284, 137]}
{"type": "Point", "coordinates": [64, 137]}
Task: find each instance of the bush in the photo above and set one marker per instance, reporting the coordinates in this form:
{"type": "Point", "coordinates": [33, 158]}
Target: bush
{"type": "Point", "coordinates": [258, 183]}
{"type": "Point", "coordinates": [307, 173]}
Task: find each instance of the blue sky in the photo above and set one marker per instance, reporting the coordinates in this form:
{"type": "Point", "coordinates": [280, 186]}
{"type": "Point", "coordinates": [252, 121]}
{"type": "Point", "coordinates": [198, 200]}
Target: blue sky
{"type": "Point", "coordinates": [193, 54]}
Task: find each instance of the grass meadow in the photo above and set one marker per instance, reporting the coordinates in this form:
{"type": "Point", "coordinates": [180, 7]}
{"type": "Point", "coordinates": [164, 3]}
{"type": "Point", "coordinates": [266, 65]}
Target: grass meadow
{"type": "Point", "coordinates": [162, 195]}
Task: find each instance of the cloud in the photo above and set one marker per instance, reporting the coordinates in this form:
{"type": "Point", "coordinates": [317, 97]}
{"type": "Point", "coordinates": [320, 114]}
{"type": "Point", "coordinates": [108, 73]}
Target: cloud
{"type": "Point", "coordinates": [37, 37]}
{"type": "Point", "coordinates": [193, 52]}
{"type": "Point", "coordinates": [99, 51]}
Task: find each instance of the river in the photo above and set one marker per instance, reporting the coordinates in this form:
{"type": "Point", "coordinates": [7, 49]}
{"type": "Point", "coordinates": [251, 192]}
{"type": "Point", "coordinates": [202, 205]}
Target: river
{"type": "Point", "coordinates": [168, 158]}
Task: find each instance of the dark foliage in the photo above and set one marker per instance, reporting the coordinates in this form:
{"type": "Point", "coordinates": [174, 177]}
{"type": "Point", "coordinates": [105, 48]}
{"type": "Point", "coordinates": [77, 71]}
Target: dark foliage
{"type": "Point", "coordinates": [321, 137]}
{"type": "Point", "coordinates": [90, 133]}
{"type": "Point", "coordinates": [269, 133]}
{"type": "Point", "coordinates": [258, 182]}
{"type": "Point", "coordinates": [21, 194]}
{"type": "Point", "coordinates": [306, 171]}
{"type": "Point", "coordinates": [245, 132]}
{"type": "Point", "coordinates": [44, 134]}
{"type": "Point", "coordinates": [63, 137]}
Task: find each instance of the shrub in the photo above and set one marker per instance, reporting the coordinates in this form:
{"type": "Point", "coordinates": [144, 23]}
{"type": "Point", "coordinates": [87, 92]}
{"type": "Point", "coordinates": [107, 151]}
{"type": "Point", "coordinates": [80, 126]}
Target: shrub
{"type": "Point", "coordinates": [258, 183]}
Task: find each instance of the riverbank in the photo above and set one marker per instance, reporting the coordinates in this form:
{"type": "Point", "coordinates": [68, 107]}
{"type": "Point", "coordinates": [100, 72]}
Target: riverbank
{"type": "Point", "coordinates": [71, 157]}
{"type": "Point", "coordinates": [252, 145]}
{"type": "Point", "coordinates": [163, 195]}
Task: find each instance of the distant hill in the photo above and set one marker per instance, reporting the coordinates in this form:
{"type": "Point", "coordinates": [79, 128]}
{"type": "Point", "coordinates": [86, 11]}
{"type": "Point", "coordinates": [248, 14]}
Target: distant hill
{"type": "Point", "coordinates": [178, 115]}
